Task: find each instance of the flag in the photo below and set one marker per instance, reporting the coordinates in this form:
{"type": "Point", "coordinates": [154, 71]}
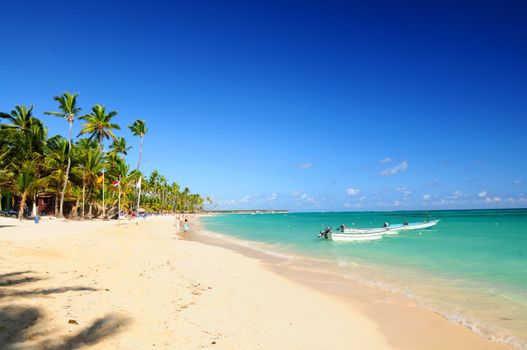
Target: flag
{"type": "Point", "coordinates": [138, 184]}
{"type": "Point", "coordinates": [100, 179]}
{"type": "Point", "coordinates": [116, 183]}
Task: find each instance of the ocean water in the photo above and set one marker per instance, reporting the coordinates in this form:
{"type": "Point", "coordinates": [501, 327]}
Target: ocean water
{"type": "Point", "coordinates": [471, 267]}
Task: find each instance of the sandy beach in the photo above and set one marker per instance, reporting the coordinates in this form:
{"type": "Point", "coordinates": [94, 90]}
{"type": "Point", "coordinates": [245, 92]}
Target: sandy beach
{"type": "Point", "coordinates": [135, 285]}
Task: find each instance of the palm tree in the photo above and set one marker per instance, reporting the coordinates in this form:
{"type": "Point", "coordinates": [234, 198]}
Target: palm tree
{"type": "Point", "coordinates": [89, 159]}
{"type": "Point", "coordinates": [139, 128]}
{"type": "Point", "coordinates": [119, 146]}
{"type": "Point", "coordinates": [21, 118]}
{"type": "Point", "coordinates": [26, 183]}
{"type": "Point", "coordinates": [92, 166]}
{"type": "Point", "coordinates": [68, 110]}
{"type": "Point", "coordinates": [23, 145]}
{"type": "Point", "coordinates": [56, 165]}
{"type": "Point", "coordinates": [99, 124]}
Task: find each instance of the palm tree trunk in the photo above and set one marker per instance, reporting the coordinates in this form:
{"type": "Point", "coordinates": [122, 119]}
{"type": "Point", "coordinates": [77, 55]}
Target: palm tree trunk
{"type": "Point", "coordinates": [75, 208]}
{"type": "Point", "coordinates": [22, 206]}
{"type": "Point", "coordinates": [138, 165]}
{"type": "Point", "coordinates": [61, 208]}
{"type": "Point", "coordinates": [138, 198]}
{"type": "Point", "coordinates": [140, 153]}
{"type": "Point", "coordinates": [83, 197]}
{"type": "Point", "coordinates": [56, 203]}
{"type": "Point", "coordinates": [90, 194]}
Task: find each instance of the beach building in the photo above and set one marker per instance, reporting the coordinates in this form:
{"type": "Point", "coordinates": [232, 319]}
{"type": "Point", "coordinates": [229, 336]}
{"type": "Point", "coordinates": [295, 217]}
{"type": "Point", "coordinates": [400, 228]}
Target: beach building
{"type": "Point", "coordinates": [46, 204]}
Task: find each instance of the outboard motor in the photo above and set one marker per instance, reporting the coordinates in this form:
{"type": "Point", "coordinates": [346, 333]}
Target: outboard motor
{"type": "Point", "coordinates": [325, 233]}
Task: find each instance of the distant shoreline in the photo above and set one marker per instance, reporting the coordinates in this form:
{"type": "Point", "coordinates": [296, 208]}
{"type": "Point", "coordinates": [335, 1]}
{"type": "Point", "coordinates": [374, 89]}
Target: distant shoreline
{"type": "Point", "coordinates": [255, 211]}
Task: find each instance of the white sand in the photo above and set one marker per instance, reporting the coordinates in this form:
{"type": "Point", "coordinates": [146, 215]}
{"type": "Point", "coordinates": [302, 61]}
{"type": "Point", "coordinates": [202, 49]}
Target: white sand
{"type": "Point", "coordinates": [128, 286]}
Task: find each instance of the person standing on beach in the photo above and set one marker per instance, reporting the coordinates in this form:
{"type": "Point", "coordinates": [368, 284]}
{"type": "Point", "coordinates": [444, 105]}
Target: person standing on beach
{"type": "Point", "coordinates": [178, 227]}
{"type": "Point", "coordinates": [185, 229]}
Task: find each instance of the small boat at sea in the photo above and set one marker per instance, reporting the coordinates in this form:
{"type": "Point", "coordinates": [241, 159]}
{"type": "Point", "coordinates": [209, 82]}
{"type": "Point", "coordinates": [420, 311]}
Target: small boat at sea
{"type": "Point", "coordinates": [368, 234]}
{"type": "Point", "coordinates": [421, 225]}
{"type": "Point", "coordinates": [328, 234]}
{"type": "Point", "coordinates": [362, 230]}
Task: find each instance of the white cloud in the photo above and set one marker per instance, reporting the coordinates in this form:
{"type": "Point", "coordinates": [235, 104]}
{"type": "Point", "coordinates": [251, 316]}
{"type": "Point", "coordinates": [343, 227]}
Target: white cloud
{"type": "Point", "coordinates": [352, 191]}
{"type": "Point", "coordinates": [492, 200]}
{"type": "Point", "coordinates": [518, 181]}
{"type": "Point", "coordinates": [396, 169]}
{"type": "Point", "coordinates": [362, 199]}
{"type": "Point", "coordinates": [245, 199]}
{"type": "Point", "coordinates": [404, 190]}
{"type": "Point", "coordinates": [273, 197]}
{"type": "Point", "coordinates": [302, 196]}
{"type": "Point", "coordinates": [482, 194]}
{"type": "Point", "coordinates": [227, 202]}
{"type": "Point", "coordinates": [434, 183]}
{"type": "Point", "coordinates": [306, 165]}
{"type": "Point", "coordinates": [385, 160]}
{"type": "Point", "coordinates": [456, 195]}
{"type": "Point", "coordinates": [396, 203]}
{"type": "Point", "coordinates": [426, 197]}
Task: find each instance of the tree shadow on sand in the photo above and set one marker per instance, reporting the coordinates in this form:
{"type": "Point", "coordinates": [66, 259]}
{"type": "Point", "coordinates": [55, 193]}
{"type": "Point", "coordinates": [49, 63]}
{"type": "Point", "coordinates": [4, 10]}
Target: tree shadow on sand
{"type": "Point", "coordinates": [21, 326]}
{"type": "Point", "coordinates": [15, 279]}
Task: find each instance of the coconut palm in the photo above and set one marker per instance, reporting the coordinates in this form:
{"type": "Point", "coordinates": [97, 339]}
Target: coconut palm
{"type": "Point", "coordinates": [94, 166]}
{"type": "Point", "coordinates": [68, 110]}
{"type": "Point", "coordinates": [139, 128]}
{"type": "Point", "coordinates": [20, 118]}
{"type": "Point", "coordinates": [56, 165]}
{"type": "Point", "coordinates": [25, 134]}
{"type": "Point", "coordinates": [119, 146]}
{"type": "Point", "coordinates": [90, 165]}
{"type": "Point", "coordinates": [99, 125]}
{"type": "Point", "coordinates": [26, 183]}
{"type": "Point", "coordinates": [23, 144]}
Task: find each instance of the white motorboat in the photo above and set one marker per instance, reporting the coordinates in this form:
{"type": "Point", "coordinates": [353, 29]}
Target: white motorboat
{"type": "Point", "coordinates": [369, 234]}
{"type": "Point", "coordinates": [363, 230]}
{"type": "Point", "coordinates": [349, 237]}
{"type": "Point", "coordinates": [393, 229]}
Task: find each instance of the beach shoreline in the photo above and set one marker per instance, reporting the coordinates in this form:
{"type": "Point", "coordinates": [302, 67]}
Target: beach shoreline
{"type": "Point", "coordinates": [136, 284]}
{"type": "Point", "coordinates": [421, 328]}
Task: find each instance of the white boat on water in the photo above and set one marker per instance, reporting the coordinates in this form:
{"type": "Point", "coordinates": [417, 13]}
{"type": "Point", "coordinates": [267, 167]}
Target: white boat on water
{"type": "Point", "coordinates": [363, 230]}
{"type": "Point", "coordinates": [369, 234]}
{"type": "Point", "coordinates": [349, 237]}
{"type": "Point", "coordinates": [353, 236]}
{"type": "Point", "coordinates": [394, 229]}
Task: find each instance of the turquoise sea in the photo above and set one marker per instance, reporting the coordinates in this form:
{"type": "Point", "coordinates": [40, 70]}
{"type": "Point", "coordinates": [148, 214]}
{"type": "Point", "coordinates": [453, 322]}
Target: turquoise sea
{"type": "Point", "coordinates": [471, 267]}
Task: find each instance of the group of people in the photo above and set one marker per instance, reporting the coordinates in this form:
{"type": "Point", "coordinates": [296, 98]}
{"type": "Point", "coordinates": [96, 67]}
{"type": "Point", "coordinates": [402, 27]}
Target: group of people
{"type": "Point", "coordinates": [185, 225]}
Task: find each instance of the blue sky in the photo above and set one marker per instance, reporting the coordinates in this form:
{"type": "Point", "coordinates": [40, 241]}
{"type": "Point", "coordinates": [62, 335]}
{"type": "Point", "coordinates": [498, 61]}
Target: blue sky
{"type": "Point", "coordinates": [330, 105]}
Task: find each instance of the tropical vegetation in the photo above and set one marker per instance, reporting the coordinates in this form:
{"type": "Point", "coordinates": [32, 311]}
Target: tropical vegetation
{"type": "Point", "coordinates": [71, 170]}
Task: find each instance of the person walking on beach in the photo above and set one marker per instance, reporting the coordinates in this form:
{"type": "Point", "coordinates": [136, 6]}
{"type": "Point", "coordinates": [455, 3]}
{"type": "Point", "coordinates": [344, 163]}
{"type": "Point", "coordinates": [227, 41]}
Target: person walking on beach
{"type": "Point", "coordinates": [185, 229]}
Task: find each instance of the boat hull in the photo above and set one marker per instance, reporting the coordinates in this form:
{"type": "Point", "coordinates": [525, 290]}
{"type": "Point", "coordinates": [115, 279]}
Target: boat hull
{"type": "Point", "coordinates": [350, 237]}
{"type": "Point", "coordinates": [364, 230]}
{"type": "Point", "coordinates": [412, 226]}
